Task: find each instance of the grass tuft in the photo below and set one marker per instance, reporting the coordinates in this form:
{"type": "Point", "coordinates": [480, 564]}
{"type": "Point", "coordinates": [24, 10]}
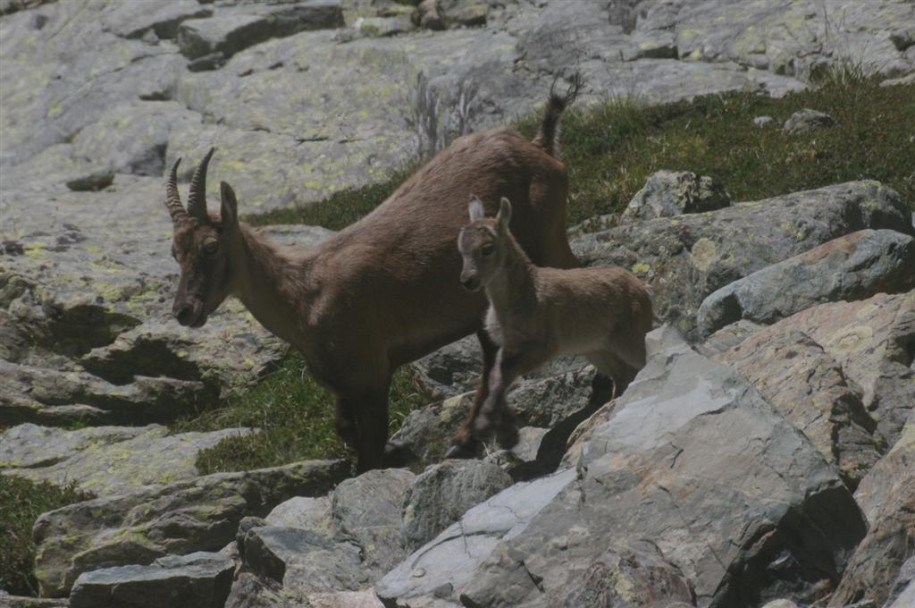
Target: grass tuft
{"type": "Point", "coordinates": [21, 502]}
{"type": "Point", "coordinates": [295, 417]}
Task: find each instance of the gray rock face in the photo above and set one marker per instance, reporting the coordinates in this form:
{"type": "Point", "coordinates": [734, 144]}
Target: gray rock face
{"type": "Point", "coordinates": [368, 512]}
{"type": "Point", "coordinates": [443, 493]}
{"type": "Point", "coordinates": [141, 526]}
{"type": "Point", "coordinates": [199, 579]}
{"type": "Point", "coordinates": [236, 29]}
{"type": "Point", "coordinates": [671, 193]}
{"type": "Point", "coordinates": [887, 497]}
{"type": "Point", "coordinates": [685, 259]}
{"type": "Point", "coordinates": [805, 384]}
{"type": "Point", "coordinates": [852, 267]}
{"type": "Point", "coordinates": [105, 460]}
{"type": "Point", "coordinates": [669, 447]}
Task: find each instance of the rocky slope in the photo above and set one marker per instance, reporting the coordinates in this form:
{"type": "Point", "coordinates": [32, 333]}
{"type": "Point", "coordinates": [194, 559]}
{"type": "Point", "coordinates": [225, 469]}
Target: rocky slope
{"type": "Point", "coordinates": [764, 453]}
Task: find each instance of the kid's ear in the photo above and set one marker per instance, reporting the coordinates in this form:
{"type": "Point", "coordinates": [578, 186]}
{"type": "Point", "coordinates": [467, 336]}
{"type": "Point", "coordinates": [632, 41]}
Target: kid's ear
{"type": "Point", "coordinates": [475, 208]}
{"type": "Point", "coordinates": [229, 204]}
{"type": "Point", "coordinates": [505, 212]}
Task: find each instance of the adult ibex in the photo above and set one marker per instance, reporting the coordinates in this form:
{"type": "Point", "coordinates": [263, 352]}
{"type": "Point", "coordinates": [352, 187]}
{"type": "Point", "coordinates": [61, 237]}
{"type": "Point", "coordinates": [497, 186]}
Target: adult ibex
{"type": "Point", "coordinates": [537, 313]}
{"type": "Point", "coordinates": [384, 291]}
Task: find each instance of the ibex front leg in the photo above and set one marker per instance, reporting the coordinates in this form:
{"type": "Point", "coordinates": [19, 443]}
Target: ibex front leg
{"type": "Point", "coordinates": [464, 445]}
{"type": "Point", "coordinates": [495, 416]}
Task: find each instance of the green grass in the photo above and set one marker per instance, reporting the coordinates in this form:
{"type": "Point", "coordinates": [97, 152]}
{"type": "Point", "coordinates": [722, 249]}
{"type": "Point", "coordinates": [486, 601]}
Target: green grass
{"type": "Point", "coordinates": [295, 417]}
{"type": "Point", "coordinates": [610, 150]}
{"type": "Point", "coordinates": [21, 502]}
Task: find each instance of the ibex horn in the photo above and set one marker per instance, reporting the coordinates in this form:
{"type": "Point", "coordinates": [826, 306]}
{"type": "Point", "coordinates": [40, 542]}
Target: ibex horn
{"type": "Point", "coordinates": [197, 198]}
{"type": "Point", "coordinates": [172, 198]}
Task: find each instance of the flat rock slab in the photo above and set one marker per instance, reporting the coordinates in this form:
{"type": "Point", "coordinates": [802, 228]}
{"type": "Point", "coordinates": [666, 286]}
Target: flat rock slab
{"type": "Point", "coordinates": [200, 579]}
{"type": "Point", "coordinates": [686, 258]}
{"type": "Point", "coordinates": [142, 526]}
{"type": "Point", "coordinates": [52, 397]}
{"type": "Point", "coordinates": [852, 267]}
{"type": "Point", "coordinates": [689, 436]}
{"type": "Point", "coordinates": [105, 460]}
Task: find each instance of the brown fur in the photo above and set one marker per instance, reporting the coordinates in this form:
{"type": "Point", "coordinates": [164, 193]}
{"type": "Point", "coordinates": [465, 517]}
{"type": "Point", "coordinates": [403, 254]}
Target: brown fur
{"type": "Point", "coordinates": [384, 291]}
{"type": "Point", "coordinates": [536, 314]}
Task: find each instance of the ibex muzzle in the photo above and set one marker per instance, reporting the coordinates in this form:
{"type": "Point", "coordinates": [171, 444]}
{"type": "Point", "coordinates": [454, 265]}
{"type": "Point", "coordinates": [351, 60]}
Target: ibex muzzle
{"type": "Point", "coordinates": [202, 246]}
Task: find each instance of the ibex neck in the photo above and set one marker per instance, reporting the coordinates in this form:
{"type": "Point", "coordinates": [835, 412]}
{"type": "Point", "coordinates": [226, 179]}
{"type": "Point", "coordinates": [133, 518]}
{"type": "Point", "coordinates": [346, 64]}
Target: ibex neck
{"type": "Point", "coordinates": [273, 290]}
{"type": "Point", "coordinates": [513, 287]}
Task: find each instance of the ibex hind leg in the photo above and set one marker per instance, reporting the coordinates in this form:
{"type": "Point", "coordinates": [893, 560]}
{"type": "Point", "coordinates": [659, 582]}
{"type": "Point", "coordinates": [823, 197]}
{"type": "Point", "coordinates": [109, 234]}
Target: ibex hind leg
{"type": "Point", "coordinates": [610, 364]}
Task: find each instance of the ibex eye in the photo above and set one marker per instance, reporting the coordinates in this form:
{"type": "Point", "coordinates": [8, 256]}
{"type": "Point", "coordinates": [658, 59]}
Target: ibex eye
{"type": "Point", "coordinates": [487, 249]}
{"type": "Point", "coordinates": [211, 247]}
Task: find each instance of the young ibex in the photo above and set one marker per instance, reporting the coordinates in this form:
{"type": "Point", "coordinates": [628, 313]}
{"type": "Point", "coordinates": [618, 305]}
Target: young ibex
{"type": "Point", "coordinates": [537, 313]}
{"type": "Point", "coordinates": [381, 292]}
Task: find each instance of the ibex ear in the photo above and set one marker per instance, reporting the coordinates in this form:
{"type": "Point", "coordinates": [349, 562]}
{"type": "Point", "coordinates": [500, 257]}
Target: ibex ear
{"type": "Point", "coordinates": [229, 205]}
{"type": "Point", "coordinates": [505, 212]}
{"type": "Point", "coordinates": [476, 209]}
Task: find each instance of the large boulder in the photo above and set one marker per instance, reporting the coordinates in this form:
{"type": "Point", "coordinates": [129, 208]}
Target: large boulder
{"type": "Point", "coordinates": [199, 579]}
{"type": "Point", "coordinates": [105, 460]}
{"type": "Point", "coordinates": [672, 193]}
{"type": "Point", "coordinates": [767, 515]}
{"type": "Point", "coordinates": [686, 258]}
{"type": "Point", "coordinates": [887, 497]}
{"type": "Point", "coordinates": [136, 528]}
{"type": "Point", "coordinates": [852, 267]}
{"type": "Point", "coordinates": [443, 493]}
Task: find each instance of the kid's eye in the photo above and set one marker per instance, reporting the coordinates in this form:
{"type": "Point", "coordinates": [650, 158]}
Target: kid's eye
{"type": "Point", "coordinates": [211, 247]}
{"type": "Point", "coordinates": [487, 249]}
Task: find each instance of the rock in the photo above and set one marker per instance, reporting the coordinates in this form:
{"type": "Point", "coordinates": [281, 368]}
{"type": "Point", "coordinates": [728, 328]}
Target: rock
{"type": "Point", "coordinates": [559, 401]}
{"type": "Point", "coordinates": [668, 448]}
{"type": "Point", "coordinates": [452, 369]}
{"type": "Point", "coordinates": [903, 591]}
{"type": "Point", "coordinates": [269, 548]}
{"type": "Point", "coordinates": [780, 604]}
{"type": "Point", "coordinates": [199, 579]}
{"type": "Point", "coordinates": [443, 493]}
{"type": "Point", "coordinates": [374, 27]}
{"type": "Point", "coordinates": [161, 18]}
{"type": "Point", "coordinates": [245, 525]}
{"type": "Point", "coordinates": [368, 512]}
{"type": "Point", "coordinates": [806, 120]}
{"type": "Point", "coordinates": [686, 258]}
{"type": "Point", "coordinates": [105, 460]}
{"type": "Point", "coordinates": [852, 267]}
{"type": "Point", "coordinates": [179, 518]}
{"type": "Point", "coordinates": [14, 601]}
{"type": "Point", "coordinates": [887, 497]}
{"type": "Point", "coordinates": [44, 396]}
{"type": "Point", "coordinates": [728, 337]}
{"type": "Point", "coordinates": [305, 513]}
{"type": "Point", "coordinates": [672, 193]}
{"type": "Point", "coordinates": [805, 384]}
{"type": "Point", "coordinates": [92, 183]}
{"type": "Point", "coordinates": [132, 137]}
{"type": "Point", "coordinates": [762, 121]}
{"type": "Point", "coordinates": [230, 32]}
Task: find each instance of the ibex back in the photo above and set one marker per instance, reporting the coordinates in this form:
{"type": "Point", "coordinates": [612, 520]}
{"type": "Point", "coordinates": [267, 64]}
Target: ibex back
{"type": "Point", "coordinates": [385, 290]}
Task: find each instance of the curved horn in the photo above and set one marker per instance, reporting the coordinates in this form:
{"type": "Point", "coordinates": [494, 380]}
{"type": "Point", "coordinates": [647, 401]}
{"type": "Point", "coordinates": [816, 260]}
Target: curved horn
{"type": "Point", "coordinates": [197, 198]}
{"type": "Point", "coordinates": [172, 198]}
